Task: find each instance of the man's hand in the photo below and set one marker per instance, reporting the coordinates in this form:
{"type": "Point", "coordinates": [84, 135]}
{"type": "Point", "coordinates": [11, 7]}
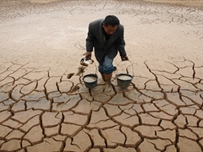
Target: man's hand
{"type": "Point", "coordinates": [124, 58]}
{"type": "Point", "coordinates": [88, 55]}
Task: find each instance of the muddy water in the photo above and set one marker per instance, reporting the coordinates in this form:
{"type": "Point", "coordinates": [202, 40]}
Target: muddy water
{"type": "Point", "coordinates": [124, 77]}
{"type": "Point", "coordinates": [90, 79]}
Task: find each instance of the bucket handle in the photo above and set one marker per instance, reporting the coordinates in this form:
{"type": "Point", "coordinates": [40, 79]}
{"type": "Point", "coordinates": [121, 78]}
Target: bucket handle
{"type": "Point", "coordinates": [128, 66]}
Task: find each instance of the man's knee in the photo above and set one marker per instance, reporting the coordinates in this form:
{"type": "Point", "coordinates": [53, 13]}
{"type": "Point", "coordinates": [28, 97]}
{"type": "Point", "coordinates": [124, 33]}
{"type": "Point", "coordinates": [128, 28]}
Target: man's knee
{"type": "Point", "coordinates": [108, 65]}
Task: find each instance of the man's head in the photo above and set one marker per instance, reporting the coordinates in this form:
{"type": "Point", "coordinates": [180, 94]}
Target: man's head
{"type": "Point", "coordinates": [110, 24]}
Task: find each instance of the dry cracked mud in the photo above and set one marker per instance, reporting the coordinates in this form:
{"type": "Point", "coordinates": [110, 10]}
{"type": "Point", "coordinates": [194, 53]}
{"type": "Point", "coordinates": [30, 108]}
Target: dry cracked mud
{"type": "Point", "coordinates": [45, 106]}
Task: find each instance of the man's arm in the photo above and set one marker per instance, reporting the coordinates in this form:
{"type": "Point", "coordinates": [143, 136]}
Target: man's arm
{"type": "Point", "coordinates": [89, 42]}
{"type": "Point", "coordinates": [121, 45]}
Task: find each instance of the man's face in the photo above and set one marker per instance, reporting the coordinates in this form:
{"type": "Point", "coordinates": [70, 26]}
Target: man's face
{"type": "Point", "coordinates": [109, 29]}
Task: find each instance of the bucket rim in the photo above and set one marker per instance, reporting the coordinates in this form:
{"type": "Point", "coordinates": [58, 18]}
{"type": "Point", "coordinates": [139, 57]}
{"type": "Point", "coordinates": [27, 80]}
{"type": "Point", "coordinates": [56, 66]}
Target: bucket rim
{"type": "Point", "coordinates": [124, 74]}
{"type": "Point", "coordinates": [91, 74]}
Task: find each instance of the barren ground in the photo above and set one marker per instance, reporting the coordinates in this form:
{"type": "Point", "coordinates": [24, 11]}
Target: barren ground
{"type": "Point", "coordinates": [45, 106]}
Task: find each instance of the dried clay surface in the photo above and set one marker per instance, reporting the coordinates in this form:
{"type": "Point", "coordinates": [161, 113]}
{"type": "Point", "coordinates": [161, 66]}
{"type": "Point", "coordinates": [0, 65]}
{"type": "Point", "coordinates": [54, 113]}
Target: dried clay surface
{"type": "Point", "coordinates": [45, 106]}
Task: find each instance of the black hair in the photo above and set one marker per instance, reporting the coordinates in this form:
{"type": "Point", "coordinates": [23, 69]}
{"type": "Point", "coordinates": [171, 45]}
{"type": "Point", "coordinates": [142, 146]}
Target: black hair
{"type": "Point", "coordinates": [111, 20]}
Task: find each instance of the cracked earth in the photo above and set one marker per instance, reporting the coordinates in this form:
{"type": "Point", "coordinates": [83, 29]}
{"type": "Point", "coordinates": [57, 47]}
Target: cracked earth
{"type": "Point", "coordinates": [45, 106]}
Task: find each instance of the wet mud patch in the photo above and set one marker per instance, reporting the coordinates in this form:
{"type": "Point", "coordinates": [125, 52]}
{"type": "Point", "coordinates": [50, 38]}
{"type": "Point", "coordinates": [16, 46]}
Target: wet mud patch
{"type": "Point", "coordinates": [70, 75]}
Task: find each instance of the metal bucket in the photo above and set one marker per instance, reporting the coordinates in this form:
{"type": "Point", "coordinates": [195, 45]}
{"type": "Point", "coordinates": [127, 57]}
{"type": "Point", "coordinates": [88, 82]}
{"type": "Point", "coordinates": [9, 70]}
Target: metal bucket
{"type": "Point", "coordinates": [86, 62]}
{"type": "Point", "coordinates": [90, 80]}
{"type": "Point", "coordinates": [124, 80]}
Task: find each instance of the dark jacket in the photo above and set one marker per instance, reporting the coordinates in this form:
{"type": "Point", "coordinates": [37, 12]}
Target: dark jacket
{"type": "Point", "coordinates": [95, 39]}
